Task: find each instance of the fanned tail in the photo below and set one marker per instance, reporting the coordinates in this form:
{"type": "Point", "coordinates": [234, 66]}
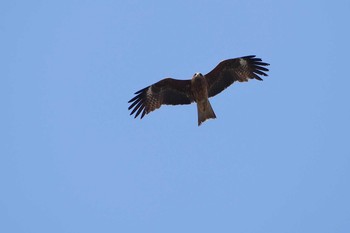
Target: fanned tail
{"type": "Point", "coordinates": [205, 112]}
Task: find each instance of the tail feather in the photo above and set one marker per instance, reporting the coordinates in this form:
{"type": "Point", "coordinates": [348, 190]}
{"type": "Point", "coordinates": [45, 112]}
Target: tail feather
{"type": "Point", "coordinates": [205, 112]}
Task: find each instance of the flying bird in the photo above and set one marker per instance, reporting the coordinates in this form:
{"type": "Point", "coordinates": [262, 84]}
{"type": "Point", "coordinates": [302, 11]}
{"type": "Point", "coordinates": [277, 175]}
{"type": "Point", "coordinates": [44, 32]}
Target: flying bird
{"type": "Point", "coordinates": [199, 89]}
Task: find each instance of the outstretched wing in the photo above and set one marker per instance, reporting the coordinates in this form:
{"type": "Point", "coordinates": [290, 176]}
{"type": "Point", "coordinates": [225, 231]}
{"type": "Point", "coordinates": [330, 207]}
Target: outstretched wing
{"type": "Point", "coordinates": [238, 69]}
{"type": "Point", "coordinates": [167, 91]}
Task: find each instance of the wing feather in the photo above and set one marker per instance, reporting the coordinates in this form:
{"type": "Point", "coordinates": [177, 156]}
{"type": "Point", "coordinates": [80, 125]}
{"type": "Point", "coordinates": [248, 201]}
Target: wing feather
{"type": "Point", "coordinates": [165, 92]}
{"type": "Point", "coordinates": [238, 69]}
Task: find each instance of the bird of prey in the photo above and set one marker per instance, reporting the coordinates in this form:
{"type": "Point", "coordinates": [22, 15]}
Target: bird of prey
{"type": "Point", "coordinates": [170, 91]}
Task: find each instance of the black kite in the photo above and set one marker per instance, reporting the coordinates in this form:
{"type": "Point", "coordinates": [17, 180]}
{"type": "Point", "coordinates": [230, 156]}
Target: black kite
{"type": "Point", "coordinates": [198, 89]}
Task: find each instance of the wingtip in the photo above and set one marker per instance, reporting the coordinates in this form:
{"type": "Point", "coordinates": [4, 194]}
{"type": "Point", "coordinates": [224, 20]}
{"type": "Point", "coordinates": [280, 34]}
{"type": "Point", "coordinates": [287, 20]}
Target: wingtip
{"type": "Point", "coordinates": [249, 56]}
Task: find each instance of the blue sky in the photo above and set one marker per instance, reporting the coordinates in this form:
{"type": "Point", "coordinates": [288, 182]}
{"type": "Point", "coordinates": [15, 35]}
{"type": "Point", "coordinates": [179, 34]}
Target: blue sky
{"type": "Point", "coordinates": [276, 159]}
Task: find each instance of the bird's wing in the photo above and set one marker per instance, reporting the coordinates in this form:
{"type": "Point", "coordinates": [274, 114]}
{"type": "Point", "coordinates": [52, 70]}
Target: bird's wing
{"type": "Point", "coordinates": [167, 91]}
{"type": "Point", "coordinates": [238, 69]}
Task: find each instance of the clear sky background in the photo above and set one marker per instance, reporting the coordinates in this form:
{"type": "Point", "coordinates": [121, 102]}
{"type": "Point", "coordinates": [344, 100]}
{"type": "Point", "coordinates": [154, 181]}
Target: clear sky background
{"type": "Point", "coordinates": [276, 159]}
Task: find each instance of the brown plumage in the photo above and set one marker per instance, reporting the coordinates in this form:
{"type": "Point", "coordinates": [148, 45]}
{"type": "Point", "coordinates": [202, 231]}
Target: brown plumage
{"type": "Point", "coordinates": [175, 92]}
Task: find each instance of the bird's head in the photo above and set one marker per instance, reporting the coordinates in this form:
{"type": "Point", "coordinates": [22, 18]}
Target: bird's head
{"type": "Point", "coordinates": [197, 75]}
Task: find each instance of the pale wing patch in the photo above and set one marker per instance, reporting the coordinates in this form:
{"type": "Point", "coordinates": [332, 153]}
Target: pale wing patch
{"type": "Point", "coordinates": [242, 71]}
{"type": "Point", "coordinates": [243, 62]}
{"type": "Point", "coordinates": [149, 92]}
{"type": "Point", "coordinates": [153, 100]}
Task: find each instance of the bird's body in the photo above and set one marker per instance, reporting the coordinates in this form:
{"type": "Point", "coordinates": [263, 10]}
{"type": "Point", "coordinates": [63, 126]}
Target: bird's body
{"type": "Point", "coordinates": [199, 89]}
